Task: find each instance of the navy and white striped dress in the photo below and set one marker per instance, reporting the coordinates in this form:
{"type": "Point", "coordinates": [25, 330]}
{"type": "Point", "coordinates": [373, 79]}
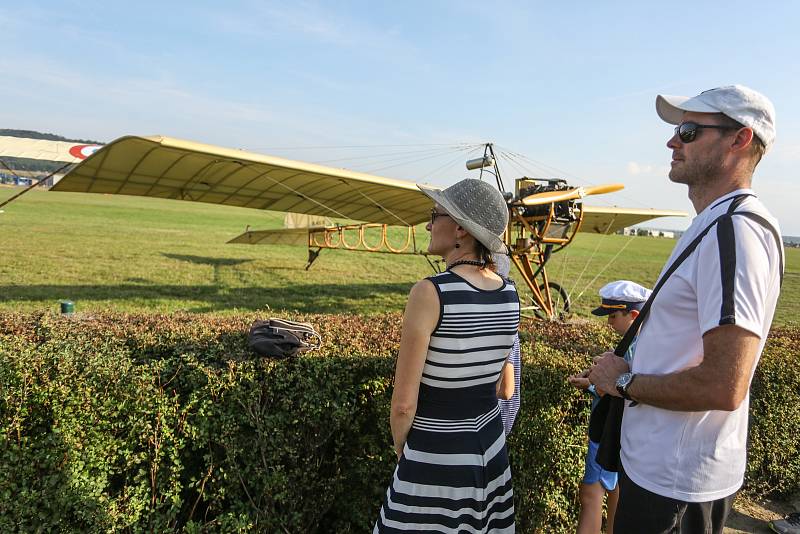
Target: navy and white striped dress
{"type": "Point", "coordinates": [454, 474]}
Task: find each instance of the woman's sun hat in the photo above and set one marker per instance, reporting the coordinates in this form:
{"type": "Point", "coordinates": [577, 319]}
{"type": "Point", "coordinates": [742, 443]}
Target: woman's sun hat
{"type": "Point", "coordinates": [477, 207]}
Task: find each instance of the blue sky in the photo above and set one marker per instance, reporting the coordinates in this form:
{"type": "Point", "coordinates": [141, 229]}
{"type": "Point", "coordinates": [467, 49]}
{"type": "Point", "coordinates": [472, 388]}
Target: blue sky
{"type": "Point", "coordinates": [569, 85]}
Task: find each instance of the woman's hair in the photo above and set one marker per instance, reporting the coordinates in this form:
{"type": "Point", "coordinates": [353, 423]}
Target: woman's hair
{"type": "Point", "coordinates": [484, 255]}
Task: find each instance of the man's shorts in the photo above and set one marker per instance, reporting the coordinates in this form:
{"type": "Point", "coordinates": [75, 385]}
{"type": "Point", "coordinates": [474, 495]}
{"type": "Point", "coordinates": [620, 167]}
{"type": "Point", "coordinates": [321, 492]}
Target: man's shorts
{"type": "Point", "coordinates": [594, 473]}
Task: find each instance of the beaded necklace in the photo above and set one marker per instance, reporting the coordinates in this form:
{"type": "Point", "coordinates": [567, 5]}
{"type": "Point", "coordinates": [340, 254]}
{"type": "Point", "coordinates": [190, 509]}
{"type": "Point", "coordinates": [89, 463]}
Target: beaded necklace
{"type": "Point", "coordinates": [477, 263]}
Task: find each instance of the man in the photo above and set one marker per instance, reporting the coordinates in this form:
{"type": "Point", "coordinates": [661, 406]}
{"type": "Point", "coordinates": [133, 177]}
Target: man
{"type": "Point", "coordinates": [683, 440]}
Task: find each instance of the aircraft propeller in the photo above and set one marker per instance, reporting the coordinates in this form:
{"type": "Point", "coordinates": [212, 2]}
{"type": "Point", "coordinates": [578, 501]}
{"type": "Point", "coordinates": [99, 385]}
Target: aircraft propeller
{"type": "Point", "coordinates": [569, 194]}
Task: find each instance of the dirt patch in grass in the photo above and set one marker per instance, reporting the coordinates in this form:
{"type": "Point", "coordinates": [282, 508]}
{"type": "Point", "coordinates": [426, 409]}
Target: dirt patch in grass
{"type": "Point", "coordinates": [752, 516]}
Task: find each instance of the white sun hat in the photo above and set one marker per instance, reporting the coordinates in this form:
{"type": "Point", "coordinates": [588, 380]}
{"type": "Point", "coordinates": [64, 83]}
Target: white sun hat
{"type": "Point", "coordinates": [477, 207]}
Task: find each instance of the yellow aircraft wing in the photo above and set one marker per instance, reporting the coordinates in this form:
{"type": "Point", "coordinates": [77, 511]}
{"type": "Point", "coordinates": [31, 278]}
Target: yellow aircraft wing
{"type": "Point", "coordinates": [164, 167]}
{"type": "Point", "coordinates": [45, 150]}
{"type": "Point", "coordinates": [277, 236]}
{"type": "Point", "coordinates": [607, 220]}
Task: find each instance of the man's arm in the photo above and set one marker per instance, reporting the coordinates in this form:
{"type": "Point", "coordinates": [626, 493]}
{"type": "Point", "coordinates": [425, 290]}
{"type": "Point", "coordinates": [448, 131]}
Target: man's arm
{"type": "Point", "coordinates": [719, 382]}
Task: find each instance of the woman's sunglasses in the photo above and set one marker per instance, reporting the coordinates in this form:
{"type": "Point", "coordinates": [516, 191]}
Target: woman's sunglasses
{"type": "Point", "coordinates": [687, 131]}
{"type": "Point", "coordinates": [435, 214]}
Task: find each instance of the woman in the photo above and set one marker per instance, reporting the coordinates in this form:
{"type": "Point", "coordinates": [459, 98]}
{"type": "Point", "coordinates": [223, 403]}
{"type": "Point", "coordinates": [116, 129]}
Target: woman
{"type": "Point", "coordinates": [452, 473]}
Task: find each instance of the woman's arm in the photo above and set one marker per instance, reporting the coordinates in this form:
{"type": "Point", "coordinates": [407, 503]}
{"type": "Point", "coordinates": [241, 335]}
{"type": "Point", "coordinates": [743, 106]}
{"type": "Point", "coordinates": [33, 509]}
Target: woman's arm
{"type": "Point", "coordinates": [419, 321]}
{"type": "Point", "coordinates": [506, 386]}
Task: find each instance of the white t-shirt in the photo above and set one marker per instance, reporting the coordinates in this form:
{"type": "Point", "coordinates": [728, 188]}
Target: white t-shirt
{"type": "Point", "coordinates": [700, 456]}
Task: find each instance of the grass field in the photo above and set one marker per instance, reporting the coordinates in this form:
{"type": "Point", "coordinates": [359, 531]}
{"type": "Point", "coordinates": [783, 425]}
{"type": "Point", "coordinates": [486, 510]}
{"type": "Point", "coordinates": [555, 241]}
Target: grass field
{"type": "Point", "coordinates": [137, 254]}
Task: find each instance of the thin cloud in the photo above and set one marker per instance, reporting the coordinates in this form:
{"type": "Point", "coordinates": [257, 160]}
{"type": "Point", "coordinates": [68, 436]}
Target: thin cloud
{"type": "Point", "coordinates": [788, 151]}
{"type": "Point", "coordinates": [635, 169]}
{"type": "Point", "coordinates": [267, 26]}
{"type": "Point", "coordinates": [650, 91]}
{"type": "Point", "coordinates": [303, 20]}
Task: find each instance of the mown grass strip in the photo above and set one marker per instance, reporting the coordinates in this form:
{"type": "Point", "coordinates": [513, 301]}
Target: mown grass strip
{"type": "Point", "coordinates": [135, 254]}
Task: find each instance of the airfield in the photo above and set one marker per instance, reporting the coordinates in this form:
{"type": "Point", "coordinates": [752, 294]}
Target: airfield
{"type": "Point", "coordinates": [159, 275]}
{"type": "Point", "coordinates": [135, 254]}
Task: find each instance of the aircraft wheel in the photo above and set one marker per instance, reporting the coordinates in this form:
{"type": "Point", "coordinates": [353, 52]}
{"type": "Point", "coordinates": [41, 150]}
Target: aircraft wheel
{"type": "Point", "coordinates": [560, 300]}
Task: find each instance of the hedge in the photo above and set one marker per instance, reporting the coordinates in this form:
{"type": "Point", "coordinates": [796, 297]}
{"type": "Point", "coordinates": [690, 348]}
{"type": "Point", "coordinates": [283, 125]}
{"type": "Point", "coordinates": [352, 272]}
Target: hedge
{"type": "Point", "coordinates": [162, 423]}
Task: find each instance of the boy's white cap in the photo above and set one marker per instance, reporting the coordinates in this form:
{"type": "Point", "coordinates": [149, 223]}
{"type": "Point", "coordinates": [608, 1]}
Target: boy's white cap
{"type": "Point", "coordinates": [738, 102]}
{"type": "Point", "coordinates": [622, 295]}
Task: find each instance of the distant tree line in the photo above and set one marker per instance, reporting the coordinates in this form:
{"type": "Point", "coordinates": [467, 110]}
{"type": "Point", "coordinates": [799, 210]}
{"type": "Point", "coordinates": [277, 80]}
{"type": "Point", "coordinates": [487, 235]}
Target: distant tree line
{"type": "Point", "coordinates": [31, 165]}
{"type": "Point", "coordinates": [32, 134]}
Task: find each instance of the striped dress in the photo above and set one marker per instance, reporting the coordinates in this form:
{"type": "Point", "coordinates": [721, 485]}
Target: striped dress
{"type": "Point", "coordinates": [454, 474]}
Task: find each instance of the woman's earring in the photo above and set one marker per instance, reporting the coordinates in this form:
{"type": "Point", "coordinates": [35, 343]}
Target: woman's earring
{"type": "Point", "coordinates": [458, 245]}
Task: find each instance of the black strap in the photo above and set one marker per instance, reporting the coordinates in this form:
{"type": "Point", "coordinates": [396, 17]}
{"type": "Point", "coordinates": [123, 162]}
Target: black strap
{"type": "Point", "coordinates": [627, 339]}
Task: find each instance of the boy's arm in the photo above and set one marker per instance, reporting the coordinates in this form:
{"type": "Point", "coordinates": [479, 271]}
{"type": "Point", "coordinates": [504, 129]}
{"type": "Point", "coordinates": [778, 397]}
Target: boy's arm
{"type": "Point", "coordinates": [506, 386]}
{"type": "Point", "coordinates": [581, 381]}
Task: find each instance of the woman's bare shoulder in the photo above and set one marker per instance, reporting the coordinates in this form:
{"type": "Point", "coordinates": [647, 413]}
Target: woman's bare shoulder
{"type": "Point", "coordinates": [423, 290]}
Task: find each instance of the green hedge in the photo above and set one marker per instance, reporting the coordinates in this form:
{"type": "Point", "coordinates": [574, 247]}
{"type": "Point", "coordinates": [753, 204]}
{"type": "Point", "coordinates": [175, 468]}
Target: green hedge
{"type": "Point", "coordinates": [162, 423]}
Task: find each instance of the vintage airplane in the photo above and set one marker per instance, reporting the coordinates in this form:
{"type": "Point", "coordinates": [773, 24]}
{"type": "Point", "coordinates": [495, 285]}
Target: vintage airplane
{"type": "Point", "coordinates": [44, 149]}
{"type": "Point", "coordinates": [61, 153]}
{"type": "Point", "coordinates": [545, 214]}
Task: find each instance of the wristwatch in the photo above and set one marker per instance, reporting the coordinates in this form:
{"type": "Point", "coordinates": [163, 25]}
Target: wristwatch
{"type": "Point", "coordinates": [624, 381]}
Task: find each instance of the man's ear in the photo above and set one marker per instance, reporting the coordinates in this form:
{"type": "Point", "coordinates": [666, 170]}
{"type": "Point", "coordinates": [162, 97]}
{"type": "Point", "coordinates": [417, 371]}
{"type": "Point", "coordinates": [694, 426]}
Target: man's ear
{"type": "Point", "coordinates": [634, 313]}
{"type": "Point", "coordinates": [743, 139]}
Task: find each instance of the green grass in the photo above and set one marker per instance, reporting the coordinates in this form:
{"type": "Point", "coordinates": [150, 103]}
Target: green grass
{"type": "Point", "coordinates": [149, 255]}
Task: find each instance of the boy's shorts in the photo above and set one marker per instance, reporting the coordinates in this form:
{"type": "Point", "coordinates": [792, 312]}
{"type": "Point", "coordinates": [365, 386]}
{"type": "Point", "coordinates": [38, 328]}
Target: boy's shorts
{"type": "Point", "coordinates": [594, 473]}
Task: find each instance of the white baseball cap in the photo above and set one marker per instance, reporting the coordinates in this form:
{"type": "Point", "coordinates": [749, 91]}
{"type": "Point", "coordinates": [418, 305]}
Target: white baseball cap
{"type": "Point", "coordinates": [740, 103]}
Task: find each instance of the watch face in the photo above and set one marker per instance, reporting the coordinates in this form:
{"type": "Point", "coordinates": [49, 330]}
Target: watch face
{"type": "Point", "coordinates": [623, 379]}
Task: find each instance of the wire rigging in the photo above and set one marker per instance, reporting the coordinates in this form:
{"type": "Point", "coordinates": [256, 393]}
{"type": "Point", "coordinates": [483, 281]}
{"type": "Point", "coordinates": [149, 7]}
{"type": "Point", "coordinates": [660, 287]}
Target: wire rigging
{"type": "Point", "coordinates": [409, 153]}
{"type": "Point", "coordinates": [33, 184]}
{"type": "Point", "coordinates": [549, 169]}
{"type": "Point", "coordinates": [339, 147]}
{"type": "Point", "coordinates": [513, 163]}
{"type": "Point", "coordinates": [295, 191]}
{"type": "Point", "coordinates": [449, 163]}
{"type": "Point", "coordinates": [378, 204]}
{"type": "Point", "coordinates": [606, 266]}
{"type": "Point", "coordinates": [591, 257]}
{"type": "Point", "coordinates": [404, 163]}
{"type": "Point", "coordinates": [390, 162]}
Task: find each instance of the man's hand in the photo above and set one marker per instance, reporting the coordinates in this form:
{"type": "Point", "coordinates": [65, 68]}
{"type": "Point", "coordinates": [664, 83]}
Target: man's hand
{"type": "Point", "coordinates": [580, 380]}
{"type": "Point", "coordinates": [605, 371]}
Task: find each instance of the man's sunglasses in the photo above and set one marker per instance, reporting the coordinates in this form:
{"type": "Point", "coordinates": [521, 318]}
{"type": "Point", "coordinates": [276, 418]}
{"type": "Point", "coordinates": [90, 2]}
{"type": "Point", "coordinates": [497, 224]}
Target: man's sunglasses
{"type": "Point", "coordinates": [435, 214]}
{"type": "Point", "coordinates": [687, 131]}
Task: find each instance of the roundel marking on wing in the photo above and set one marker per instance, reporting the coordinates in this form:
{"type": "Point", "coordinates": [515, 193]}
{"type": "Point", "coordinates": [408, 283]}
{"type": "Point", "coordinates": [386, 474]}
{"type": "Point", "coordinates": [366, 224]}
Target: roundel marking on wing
{"type": "Point", "coordinates": [83, 151]}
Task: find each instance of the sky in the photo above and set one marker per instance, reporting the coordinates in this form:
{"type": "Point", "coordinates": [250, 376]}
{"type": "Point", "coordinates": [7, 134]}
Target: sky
{"type": "Point", "coordinates": [563, 89]}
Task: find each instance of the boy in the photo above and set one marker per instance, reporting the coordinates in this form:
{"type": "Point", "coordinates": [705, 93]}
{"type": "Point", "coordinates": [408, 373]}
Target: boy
{"type": "Point", "coordinates": [621, 302]}
{"type": "Point", "coordinates": [508, 385]}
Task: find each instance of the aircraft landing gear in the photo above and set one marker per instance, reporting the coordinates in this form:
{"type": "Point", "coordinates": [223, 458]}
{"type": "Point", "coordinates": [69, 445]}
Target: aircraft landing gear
{"type": "Point", "coordinates": [560, 300]}
{"type": "Point", "coordinates": [312, 255]}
